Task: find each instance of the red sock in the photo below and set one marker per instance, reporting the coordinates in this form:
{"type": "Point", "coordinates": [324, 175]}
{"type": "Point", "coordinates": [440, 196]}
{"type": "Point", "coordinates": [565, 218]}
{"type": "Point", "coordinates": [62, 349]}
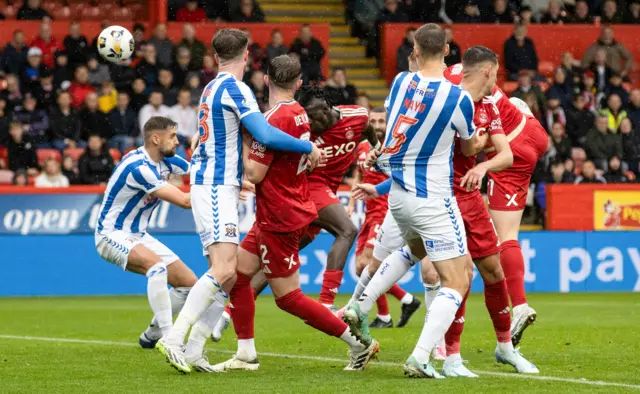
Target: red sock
{"type": "Point", "coordinates": [227, 308]}
{"type": "Point", "coordinates": [330, 285]}
{"type": "Point", "coordinates": [244, 307]}
{"type": "Point", "coordinates": [452, 337]}
{"type": "Point", "coordinates": [512, 264]}
{"type": "Point", "coordinates": [383, 305]}
{"type": "Point", "coordinates": [311, 312]}
{"type": "Point", "coordinates": [397, 292]}
{"type": "Point", "coordinates": [496, 298]}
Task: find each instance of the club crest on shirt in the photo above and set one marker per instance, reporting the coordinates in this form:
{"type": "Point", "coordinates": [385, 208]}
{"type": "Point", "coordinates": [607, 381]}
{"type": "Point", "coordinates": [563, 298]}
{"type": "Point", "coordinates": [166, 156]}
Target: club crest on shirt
{"type": "Point", "coordinates": [231, 230]}
{"type": "Point", "coordinates": [483, 117]}
{"type": "Point", "coordinates": [349, 134]}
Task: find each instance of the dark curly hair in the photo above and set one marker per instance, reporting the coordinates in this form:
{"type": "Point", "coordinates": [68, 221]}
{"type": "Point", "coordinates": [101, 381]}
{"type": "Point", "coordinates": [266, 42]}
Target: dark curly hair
{"type": "Point", "coordinates": [307, 94]}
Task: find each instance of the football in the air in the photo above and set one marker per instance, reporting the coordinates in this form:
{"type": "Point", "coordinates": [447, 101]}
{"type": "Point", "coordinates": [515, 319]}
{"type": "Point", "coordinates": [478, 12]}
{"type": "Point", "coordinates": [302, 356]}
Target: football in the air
{"type": "Point", "coordinates": [115, 44]}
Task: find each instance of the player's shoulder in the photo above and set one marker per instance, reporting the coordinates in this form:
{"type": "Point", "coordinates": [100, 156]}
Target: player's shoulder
{"type": "Point", "coordinates": [497, 95]}
{"type": "Point", "coordinates": [353, 111]}
{"type": "Point", "coordinates": [454, 74]}
{"type": "Point", "coordinates": [285, 110]}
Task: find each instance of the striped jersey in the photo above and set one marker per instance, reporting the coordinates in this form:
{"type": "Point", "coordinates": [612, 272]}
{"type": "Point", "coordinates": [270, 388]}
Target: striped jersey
{"type": "Point", "coordinates": [218, 158]}
{"type": "Point", "coordinates": [424, 115]}
{"type": "Point", "coordinates": [127, 203]}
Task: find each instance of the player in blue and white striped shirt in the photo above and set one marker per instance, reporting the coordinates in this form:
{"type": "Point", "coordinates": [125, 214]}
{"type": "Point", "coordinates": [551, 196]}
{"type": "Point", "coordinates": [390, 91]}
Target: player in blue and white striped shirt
{"type": "Point", "coordinates": [134, 190]}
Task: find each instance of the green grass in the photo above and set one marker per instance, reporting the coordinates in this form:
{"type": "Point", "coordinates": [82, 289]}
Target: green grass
{"type": "Point", "coordinates": [578, 336]}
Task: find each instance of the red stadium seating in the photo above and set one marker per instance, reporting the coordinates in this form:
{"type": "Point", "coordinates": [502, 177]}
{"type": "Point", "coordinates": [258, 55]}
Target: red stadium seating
{"type": "Point", "coordinates": [45, 154]}
{"type": "Point", "coordinates": [115, 154]}
{"type": "Point", "coordinates": [546, 68]}
{"type": "Point", "coordinates": [509, 87]}
{"type": "Point", "coordinates": [6, 177]}
{"type": "Point", "coordinates": [3, 157]}
{"type": "Point", "coordinates": [75, 153]}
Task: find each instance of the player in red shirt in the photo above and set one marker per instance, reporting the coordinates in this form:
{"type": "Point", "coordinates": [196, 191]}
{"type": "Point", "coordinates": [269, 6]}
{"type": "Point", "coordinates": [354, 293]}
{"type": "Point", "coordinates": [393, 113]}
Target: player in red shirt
{"type": "Point", "coordinates": [283, 213]}
{"type": "Point", "coordinates": [376, 210]}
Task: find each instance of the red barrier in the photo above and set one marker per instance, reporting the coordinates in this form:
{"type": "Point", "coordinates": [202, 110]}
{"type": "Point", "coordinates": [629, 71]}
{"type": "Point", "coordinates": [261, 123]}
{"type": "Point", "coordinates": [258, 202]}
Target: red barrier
{"type": "Point", "coordinates": [550, 40]}
{"type": "Point", "coordinates": [59, 29]}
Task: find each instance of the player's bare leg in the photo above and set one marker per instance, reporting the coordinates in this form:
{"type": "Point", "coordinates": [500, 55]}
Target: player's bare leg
{"type": "Point", "coordinates": [431, 282]}
{"type": "Point", "coordinates": [507, 225]}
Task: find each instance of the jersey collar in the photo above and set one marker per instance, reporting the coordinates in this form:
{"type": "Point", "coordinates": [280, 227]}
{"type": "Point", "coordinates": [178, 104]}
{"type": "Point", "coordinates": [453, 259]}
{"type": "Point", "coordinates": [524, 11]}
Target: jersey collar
{"type": "Point", "coordinates": [147, 156]}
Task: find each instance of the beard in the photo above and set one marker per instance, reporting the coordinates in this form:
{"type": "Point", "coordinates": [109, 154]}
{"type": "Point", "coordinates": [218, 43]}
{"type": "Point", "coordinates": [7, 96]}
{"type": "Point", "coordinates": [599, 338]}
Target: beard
{"type": "Point", "coordinates": [168, 152]}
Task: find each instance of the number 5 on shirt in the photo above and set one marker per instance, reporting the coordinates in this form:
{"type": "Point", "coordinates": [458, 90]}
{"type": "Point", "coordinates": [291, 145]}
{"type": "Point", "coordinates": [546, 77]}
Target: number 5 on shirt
{"type": "Point", "coordinates": [398, 134]}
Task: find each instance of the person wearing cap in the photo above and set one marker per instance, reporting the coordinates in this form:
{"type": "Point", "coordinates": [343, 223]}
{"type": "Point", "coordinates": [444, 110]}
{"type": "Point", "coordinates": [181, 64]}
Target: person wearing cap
{"type": "Point", "coordinates": [35, 122]}
{"type": "Point", "coordinates": [34, 67]}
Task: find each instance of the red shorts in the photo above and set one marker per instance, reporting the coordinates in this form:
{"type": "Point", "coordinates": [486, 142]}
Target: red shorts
{"type": "Point", "coordinates": [508, 188]}
{"type": "Point", "coordinates": [482, 239]}
{"type": "Point", "coordinates": [368, 233]}
{"type": "Point", "coordinates": [278, 252]}
{"type": "Point", "coordinates": [322, 196]}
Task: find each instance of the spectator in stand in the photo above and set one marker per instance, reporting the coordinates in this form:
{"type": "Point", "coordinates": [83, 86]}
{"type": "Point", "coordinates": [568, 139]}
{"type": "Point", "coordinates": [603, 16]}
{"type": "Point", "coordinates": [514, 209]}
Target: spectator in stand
{"type": "Point", "coordinates": [339, 90]}
{"type": "Point", "coordinates": [560, 141]}
{"type": "Point", "coordinates": [471, 13]}
{"type": "Point", "coordinates": [35, 122]}
{"type": "Point", "coordinates": [96, 164]}
{"type": "Point", "coordinates": [76, 44]}
{"type": "Point", "coordinates": [181, 67]}
{"type": "Point", "coordinates": [405, 50]}
{"type": "Point", "coordinates": [47, 44]}
{"type": "Point", "coordinates": [581, 14]}
{"type": "Point", "coordinates": [98, 72]}
{"type": "Point", "coordinates": [455, 54]}
{"type": "Point", "coordinates": [63, 72]}
{"type": "Point", "coordinates": [14, 57]}
{"type": "Point", "coordinates": [500, 13]}
{"type": "Point", "coordinates": [579, 121]}
{"type": "Point", "coordinates": [633, 111]}
{"type": "Point", "coordinates": [615, 174]}
{"type": "Point", "coordinates": [589, 91]}
{"type": "Point", "coordinates": [571, 68]}
{"type": "Point", "coordinates": [561, 88]}
{"type": "Point", "coordinates": [601, 71]}
{"type": "Point", "coordinates": [610, 14]}
{"type": "Point", "coordinates": [520, 53]}
{"type": "Point", "coordinates": [525, 87]}
{"type": "Point", "coordinates": [21, 151]}
{"type": "Point", "coordinates": [602, 143]}
{"type": "Point", "coordinates": [554, 113]}
{"type": "Point", "coordinates": [45, 92]}
{"type": "Point", "coordinates": [209, 70]}
{"type": "Point", "coordinates": [310, 52]}
{"type": "Point", "coordinates": [169, 93]}
{"type": "Point", "coordinates": [614, 112]}
{"type": "Point", "coordinates": [559, 174]}
{"type": "Point", "coordinates": [525, 15]}
{"type": "Point", "coordinates": [633, 14]}
{"type": "Point", "coordinates": [364, 17]}
{"type": "Point", "coordinates": [139, 39]}
{"type": "Point", "coordinates": [217, 10]}
{"type": "Point", "coordinates": [20, 178]}
{"type": "Point", "coordinates": [186, 117]}
{"type": "Point", "coordinates": [390, 13]}
{"type": "Point", "coordinates": [162, 44]}
{"type": "Point", "coordinates": [196, 47]}
{"type": "Point", "coordinates": [31, 11]}
{"type": "Point", "coordinates": [148, 68]}
{"type": "Point", "coordinates": [108, 97]}
{"type": "Point", "coordinates": [617, 57]}
{"type": "Point", "coordinates": [124, 124]}
{"type": "Point", "coordinates": [260, 89]}
{"type": "Point", "coordinates": [247, 12]}
{"type": "Point", "coordinates": [363, 100]}
{"type": "Point", "coordinates": [154, 108]}
{"type": "Point", "coordinates": [70, 170]}
{"type": "Point", "coordinates": [276, 47]}
{"type": "Point", "coordinates": [31, 73]}
{"type": "Point", "coordinates": [92, 120]}
{"type": "Point", "coordinates": [191, 13]}
{"type": "Point", "coordinates": [426, 11]}
{"type": "Point", "coordinates": [65, 124]}
{"type": "Point", "coordinates": [615, 87]}
{"type": "Point", "coordinates": [630, 144]}
{"type": "Point", "coordinates": [555, 14]}
{"type": "Point", "coordinates": [532, 102]}
{"type": "Point", "coordinates": [195, 88]}
{"type": "Point", "coordinates": [589, 174]}
{"type": "Point", "coordinates": [13, 93]}
{"type": "Point", "coordinates": [80, 87]}
{"type": "Point", "coordinates": [138, 96]}
{"type": "Point", "coordinates": [4, 122]}
{"type": "Point", "coordinates": [51, 175]}
{"type": "Point", "coordinates": [257, 54]}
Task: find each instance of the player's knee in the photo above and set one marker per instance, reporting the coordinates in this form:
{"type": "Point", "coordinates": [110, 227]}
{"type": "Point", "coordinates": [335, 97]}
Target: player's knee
{"type": "Point", "coordinates": [430, 277]}
{"type": "Point", "coordinates": [490, 269]}
{"type": "Point", "coordinates": [348, 230]}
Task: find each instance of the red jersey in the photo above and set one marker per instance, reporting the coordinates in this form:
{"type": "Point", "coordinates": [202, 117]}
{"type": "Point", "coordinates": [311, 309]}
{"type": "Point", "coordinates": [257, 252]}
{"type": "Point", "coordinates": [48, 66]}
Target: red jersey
{"type": "Point", "coordinates": [282, 198]}
{"type": "Point", "coordinates": [339, 144]}
{"type": "Point", "coordinates": [48, 50]}
{"type": "Point", "coordinates": [374, 206]}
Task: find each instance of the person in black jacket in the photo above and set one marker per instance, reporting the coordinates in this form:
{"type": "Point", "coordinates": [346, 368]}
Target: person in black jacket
{"type": "Point", "coordinates": [35, 121]}
{"type": "Point", "coordinates": [139, 98]}
{"type": "Point", "coordinates": [247, 12]}
{"type": "Point", "coordinates": [500, 13]}
{"type": "Point", "coordinates": [14, 56]}
{"type": "Point", "coordinates": [339, 90]}
{"type": "Point", "coordinates": [561, 143]}
{"type": "Point", "coordinates": [405, 50]}
{"type": "Point", "coordinates": [45, 91]}
{"type": "Point", "coordinates": [148, 68]}
{"type": "Point", "coordinates": [124, 124]}
{"type": "Point", "coordinates": [455, 54]}
{"type": "Point", "coordinates": [65, 124]}
{"type": "Point", "coordinates": [76, 44]}
{"type": "Point", "coordinates": [579, 121]}
{"type": "Point", "coordinates": [4, 122]}
{"type": "Point", "coordinates": [62, 71]}
{"type": "Point", "coordinates": [311, 52]}
{"type": "Point", "coordinates": [520, 53]}
{"type": "Point", "coordinates": [31, 11]}
{"type": "Point", "coordinates": [96, 164]}
{"type": "Point", "coordinates": [70, 170]}
{"type": "Point", "coordinates": [614, 173]}
{"type": "Point", "coordinates": [21, 150]}
{"type": "Point", "coordinates": [630, 144]}
{"type": "Point", "coordinates": [92, 120]}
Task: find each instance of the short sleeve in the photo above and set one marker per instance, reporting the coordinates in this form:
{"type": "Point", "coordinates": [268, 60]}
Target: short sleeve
{"type": "Point", "coordinates": [177, 165]}
{"type": "Point", "coordinates": [145, 178]}
{"type": "Point", "coordinates": [495, 127]}
{"type": "Point", "coordinates": [259, 153]}
{"type": "Point", "coordinates": [397, 80]}
{"type": "Point", "coordinates": [239, 98]}
{"type": "Point", "coordinates": [363, 150]}
{"type": "Point", "coordinates": [462, 118]}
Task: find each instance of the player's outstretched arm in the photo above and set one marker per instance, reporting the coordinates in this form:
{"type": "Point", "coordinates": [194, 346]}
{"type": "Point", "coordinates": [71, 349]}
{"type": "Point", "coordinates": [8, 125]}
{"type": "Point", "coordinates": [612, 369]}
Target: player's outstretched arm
{"type": "Point", "coordinates": [369, 134]}
{"type": "Point", "coordinates": [365, 191]}
{"type": "Point", "coordinates": [272, 137]}
{"type": "Point", "coordinates": [173, 195]}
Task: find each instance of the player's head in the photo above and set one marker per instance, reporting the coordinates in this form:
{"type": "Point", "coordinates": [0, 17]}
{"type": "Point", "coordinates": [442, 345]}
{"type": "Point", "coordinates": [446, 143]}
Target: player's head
{"type": "Point", "coordinates": [315, 102]}
{"type": "Point", "coordinates": [480, 65]}
{"type": "Point", "coordinates": [430, 43]}
{"type": "Point", "coordinates": [230, 45]}
{"type": "Point", "coordinates": [284, 73]}
{"type": "Point", "coordinates": [378, 119]}
{"type": "Point", "coordinates": [161, 133]}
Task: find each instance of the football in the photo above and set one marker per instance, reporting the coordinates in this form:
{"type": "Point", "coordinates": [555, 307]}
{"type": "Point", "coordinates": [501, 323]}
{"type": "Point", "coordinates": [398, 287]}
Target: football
{"type": "Point", "coordinates": [115, 44]}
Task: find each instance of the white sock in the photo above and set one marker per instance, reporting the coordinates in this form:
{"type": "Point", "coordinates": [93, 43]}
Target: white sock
{"type": "Point", "coordinates": [453, 357]}
{"type": "Point", "coordinates": [247, 349]}
{"type": "Point", "coordinates": [199, 300]}
{"type": "Point", "coordinates": [351, 340]}
{"type": "Point", "coordinates": [178, 296]}
{"type": "Point", "coordinates": [201, 331]}
{"type": "Point", "coordinates": [505, 347]}
{"type": "Point", "coordinates": [385, 318]}
{"type": "Point", "coordinates": [364, 280]}
{"type": "Point", "coordinates": [391, 270]}
{"type": "Point", "coordinates": [407, 299]}
{"type": "Point", "coordinates": [158, 293]}
{"type": "Point", "coordinates": [437, 322]}
{"type": "Point", "coordinates": [430, 293]}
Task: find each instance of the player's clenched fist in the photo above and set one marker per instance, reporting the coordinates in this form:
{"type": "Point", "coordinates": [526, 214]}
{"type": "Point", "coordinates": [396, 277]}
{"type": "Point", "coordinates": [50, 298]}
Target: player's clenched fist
{"type": "Point", "coordinates": [316, 157]}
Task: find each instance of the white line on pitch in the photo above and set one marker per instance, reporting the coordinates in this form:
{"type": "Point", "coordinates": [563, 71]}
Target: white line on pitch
{"type": "Point", "coordinates": [330, 359]}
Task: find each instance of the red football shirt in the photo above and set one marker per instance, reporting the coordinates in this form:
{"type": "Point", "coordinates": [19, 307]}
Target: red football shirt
{"type": "Point", "coordinates": [339, 144]}
{"type": "Point", "coordinates": [375, 206]}
{"type": "Point", "coordinates": [282, 198]}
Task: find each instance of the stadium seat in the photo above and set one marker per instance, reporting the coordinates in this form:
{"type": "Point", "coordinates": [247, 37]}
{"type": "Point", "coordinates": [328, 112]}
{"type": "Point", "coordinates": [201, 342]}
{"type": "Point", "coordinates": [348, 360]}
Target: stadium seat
{"type": "Point", "coordinates": [45, 154]}
{"type": "Point", "coordinates": [121, 14]}
{"type": "Point", "coordinates": [90, 13]}
{"type": "Point", "coordinates": [6, 177]}
{"type": "Point", "coordinates": [63, 13]}
{"type": "Point", "coordinates": [75, 153]}
{"type": "Point", "coordinates": [546, 68]}
{"type": "Point", "coordinates": [509, 87]}
{"type": "Point", "coordinates": [115, 154]}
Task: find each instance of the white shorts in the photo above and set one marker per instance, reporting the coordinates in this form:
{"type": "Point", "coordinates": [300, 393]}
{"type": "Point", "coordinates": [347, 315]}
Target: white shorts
{"type": "Point", "coordinates": [389, 238]}
{"type": "Point", "coordinates": [437, 221]}
{"type": "Point", "coordinates": [116, 246]}
{"type": "Point", "coordinates": [215, 211]}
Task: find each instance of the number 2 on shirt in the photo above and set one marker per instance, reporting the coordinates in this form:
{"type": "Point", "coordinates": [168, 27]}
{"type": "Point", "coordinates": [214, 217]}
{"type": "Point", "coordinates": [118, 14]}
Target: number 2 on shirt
{"type": "Point", "coordinates": [302, 165]}
{"type": "Point", "coordinates": [398, 133]}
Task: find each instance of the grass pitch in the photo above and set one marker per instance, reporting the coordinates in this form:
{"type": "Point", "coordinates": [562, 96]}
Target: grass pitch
{"type": "Point", "coordinates": [581, 343]}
